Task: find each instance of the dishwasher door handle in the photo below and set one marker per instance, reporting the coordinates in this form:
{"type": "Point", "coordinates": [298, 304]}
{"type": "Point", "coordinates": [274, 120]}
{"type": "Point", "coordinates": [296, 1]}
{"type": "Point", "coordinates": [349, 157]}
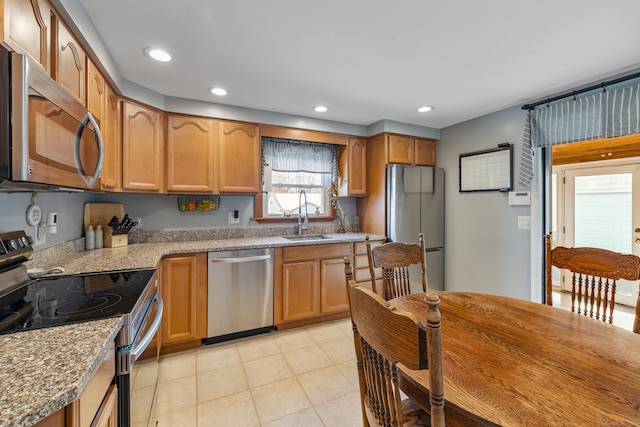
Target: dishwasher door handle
{"type": "Point", "coordinates": [241, 259]}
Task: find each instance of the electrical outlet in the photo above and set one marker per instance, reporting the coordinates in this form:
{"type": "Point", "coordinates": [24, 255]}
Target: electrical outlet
{"type": "Point", "coordinates": [233, 219]}
{"type": "Point", "coordinates": [39, 239]}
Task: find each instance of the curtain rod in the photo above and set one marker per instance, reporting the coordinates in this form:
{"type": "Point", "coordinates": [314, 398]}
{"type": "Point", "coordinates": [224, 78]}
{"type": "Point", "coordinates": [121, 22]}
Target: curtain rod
{"type": "Point", "coordinates": [602, 85]}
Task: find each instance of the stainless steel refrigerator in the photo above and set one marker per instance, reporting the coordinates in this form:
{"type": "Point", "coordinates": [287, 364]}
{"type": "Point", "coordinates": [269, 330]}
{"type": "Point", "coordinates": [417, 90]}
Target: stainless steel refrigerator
{"type": "Point", "coordinates": [415, 203]}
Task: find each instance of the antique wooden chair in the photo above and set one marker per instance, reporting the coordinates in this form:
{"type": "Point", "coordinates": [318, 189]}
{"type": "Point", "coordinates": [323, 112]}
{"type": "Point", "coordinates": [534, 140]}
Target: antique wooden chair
{"type": "Point", "coordinates": [636, 321]}
{"type": "Point", "coordinates": [595, 272]}
{"type": "Point", "coordinates": [384, 337]}
{"type": "Point", "coordinates": [395, 259]}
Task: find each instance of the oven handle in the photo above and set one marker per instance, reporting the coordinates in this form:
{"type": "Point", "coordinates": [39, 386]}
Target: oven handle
{"type": "Point", "coordinates": [144, 342]}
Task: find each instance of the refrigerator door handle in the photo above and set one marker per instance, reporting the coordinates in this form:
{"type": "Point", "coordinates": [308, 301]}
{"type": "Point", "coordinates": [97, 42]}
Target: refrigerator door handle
{"type": "Point", "coordinates": [440, 248]}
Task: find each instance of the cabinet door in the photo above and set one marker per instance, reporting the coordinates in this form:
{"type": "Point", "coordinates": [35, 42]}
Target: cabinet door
{"type": "Point", "coordinates": [400, 149]}
{"type": "Point", "coordinates": [107, 415]}
{"type": "Point", "coordinates": [353, 168]}
{"type": "Point", "coordinates": [190, 156]}
{"type": "Point", "coordinates": [29, 29]}
{"type": "Point", "coordinates": [141, 148]}
{"type": "Point", "coordinates": [110, 127]}
{"type": "Point", "coordinates": [333, 288]}
{"type": "Point", "coordinates": [183, 278]}
{"type": "Point", "coordinates": [95, 92]}
{"type": "Point", "coordinates": [357, 179]}
{"type": "Point", "coordinates": [300, 290]}
{"type": "Point", "coordinates": [239, 158]}
{"type": "Point", "coordinates": [425, 152]}
{"type": "Point", "coordinates": [70, 62]}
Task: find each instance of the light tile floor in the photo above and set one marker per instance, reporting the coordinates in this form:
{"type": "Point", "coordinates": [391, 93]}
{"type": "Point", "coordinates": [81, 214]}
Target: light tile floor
{"type": "Point", "coordinates": [303, 377]}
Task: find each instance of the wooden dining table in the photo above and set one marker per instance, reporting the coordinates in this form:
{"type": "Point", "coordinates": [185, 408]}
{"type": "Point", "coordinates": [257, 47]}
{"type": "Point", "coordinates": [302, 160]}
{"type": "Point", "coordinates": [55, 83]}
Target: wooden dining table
{"type": "Point", "coordinates": [510, 362]}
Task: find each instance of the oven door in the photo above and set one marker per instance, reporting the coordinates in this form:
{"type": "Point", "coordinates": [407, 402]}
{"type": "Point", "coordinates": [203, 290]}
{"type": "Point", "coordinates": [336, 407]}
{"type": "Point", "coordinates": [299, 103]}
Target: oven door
{"type": "Point", "coordinates": [137, 387]}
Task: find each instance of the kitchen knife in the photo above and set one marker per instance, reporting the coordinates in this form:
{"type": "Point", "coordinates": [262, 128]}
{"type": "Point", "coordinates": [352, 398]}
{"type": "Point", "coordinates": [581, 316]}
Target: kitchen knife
{"type": "Point", "coordinates": [120, 227]}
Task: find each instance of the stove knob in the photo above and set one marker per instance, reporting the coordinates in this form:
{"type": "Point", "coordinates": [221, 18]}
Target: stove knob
{"type": "Point", "coordinates": [29, 240]}
{"type": "Point", "coordinates": [12, 244]}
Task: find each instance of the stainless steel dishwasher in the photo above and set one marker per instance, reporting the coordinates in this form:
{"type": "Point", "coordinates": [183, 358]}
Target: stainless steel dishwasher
{"type": "Point", "coordinates": [240, 293]}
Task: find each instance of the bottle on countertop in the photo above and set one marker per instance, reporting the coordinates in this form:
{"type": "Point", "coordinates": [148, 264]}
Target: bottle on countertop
{"type": "Point", "coordinates": [99, 236]}
{"type": "Point", "coordinates": [90, 238]}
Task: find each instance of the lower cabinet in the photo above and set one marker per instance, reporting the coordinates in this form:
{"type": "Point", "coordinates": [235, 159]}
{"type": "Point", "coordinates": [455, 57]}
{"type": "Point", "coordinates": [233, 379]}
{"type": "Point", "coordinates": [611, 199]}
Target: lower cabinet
{"type": "Point", "coordinates": [183, 286]}
{"type": "Point", "coordinates": [309, 284]}
{"type": "Point", "coordinates": [97, 405]}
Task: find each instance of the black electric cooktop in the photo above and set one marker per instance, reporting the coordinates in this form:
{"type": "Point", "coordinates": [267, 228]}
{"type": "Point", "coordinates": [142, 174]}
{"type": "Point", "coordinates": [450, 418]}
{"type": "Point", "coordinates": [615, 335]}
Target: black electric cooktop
{"type": "Point", "coordinates": [61, 300]}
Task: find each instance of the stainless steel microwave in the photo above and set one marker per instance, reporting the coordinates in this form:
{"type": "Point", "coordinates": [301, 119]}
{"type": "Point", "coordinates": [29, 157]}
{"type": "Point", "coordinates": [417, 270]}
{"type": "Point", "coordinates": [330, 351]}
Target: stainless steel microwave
{"type": "Point", "coordinates": [48, 139]}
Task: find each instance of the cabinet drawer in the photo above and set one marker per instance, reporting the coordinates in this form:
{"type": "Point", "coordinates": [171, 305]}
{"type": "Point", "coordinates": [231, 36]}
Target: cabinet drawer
{"type": "Point", "coordinates": [362, 274]}
{"type": "Point", "coordinates": [361, 261]}
{"type": "Point", "coordinates": [361, 247]}
{"type": "Point", "coordinates": [295, 253]}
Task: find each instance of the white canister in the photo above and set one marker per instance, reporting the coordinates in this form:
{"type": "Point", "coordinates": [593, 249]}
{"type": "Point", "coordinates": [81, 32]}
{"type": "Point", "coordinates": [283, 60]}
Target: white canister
{"type": "Point", "coordinates": [90, 238]}
{"type": "Point", "coordinates": [99, 236]}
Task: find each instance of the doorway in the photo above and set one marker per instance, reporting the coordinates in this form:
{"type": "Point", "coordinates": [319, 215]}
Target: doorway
{"type": "Point", "coordinates": [597, 204]}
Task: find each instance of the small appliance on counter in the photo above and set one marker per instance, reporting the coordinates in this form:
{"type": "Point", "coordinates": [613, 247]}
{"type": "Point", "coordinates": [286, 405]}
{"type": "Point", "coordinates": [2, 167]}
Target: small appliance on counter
{"type": "Point", "coordinates": [114, 223]}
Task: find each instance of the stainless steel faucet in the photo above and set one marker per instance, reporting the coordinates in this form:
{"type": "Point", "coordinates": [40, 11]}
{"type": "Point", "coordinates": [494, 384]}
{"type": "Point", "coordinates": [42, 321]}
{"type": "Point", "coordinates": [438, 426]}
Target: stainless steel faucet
{"type": "Point", "coordinates": [302, 228]}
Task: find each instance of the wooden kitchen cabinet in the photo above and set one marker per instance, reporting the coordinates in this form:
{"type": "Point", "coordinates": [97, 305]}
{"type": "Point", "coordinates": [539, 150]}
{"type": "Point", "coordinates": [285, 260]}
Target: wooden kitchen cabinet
{"type": "Point", "coordinates": [190, 154]}
{"type": "Point", "coordinates": [183, 287]}
{"type": "Point", "coordinates": [309, 284]}
{"type": "Point", "coordinates": [95, 92]}
{"type": "Point", "coordinates": [238, 158]}
{"type": "Point", "coordinates": [69, 61]}
{"type": "Point", "coordinates": [408, 150]}
{"type": "Point", "coordinates": [27, 29]}
{"type": "Point", "coordinates": [425, 152]}
{"type": "Point", "coordinates": [111, 177]}
{"type": "Point", "coordinates": [142, 148]}
{"type": "Point", "coordinates": [353, 168]}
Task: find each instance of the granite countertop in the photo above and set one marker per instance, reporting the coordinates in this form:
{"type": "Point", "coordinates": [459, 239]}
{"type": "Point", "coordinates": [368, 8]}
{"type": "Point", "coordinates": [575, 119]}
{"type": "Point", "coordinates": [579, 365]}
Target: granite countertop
{"type": "Point", "coordinates": [147, 255]}
{"type": "Point", "coordinates": [43, 370]}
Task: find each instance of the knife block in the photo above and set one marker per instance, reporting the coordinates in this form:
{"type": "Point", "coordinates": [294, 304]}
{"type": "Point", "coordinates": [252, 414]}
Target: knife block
{"type": "Point", "coordinates": [111, 241]}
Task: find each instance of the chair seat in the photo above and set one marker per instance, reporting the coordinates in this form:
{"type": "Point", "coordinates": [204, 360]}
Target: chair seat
{"type": "Point", "coordinates": [412, 415]}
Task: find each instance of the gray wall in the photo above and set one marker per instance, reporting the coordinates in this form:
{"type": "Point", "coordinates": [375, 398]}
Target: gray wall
{"type": "Point", "coordinates": [485, 250]}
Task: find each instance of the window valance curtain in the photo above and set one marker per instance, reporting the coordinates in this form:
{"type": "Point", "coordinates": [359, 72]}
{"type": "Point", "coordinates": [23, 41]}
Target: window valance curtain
{"type": "Point", "coordinates": [286, 155]}
{"type": "Point", "coordinates": [606, 114]}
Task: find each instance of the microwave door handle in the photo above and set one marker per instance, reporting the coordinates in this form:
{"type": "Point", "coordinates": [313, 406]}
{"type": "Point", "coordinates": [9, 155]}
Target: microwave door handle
{"type": "Point", "coordinates": [137, 350]}
{"type": "Point", "coordinates": [76, 149]}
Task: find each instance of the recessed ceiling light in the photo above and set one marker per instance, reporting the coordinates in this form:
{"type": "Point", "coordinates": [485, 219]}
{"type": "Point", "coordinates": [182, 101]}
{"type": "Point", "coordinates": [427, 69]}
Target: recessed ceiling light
{"type": "Point", "coordinates": [425, 109]}
{"type": "Point", "coordinates": [320, 109]}
{"type": "Point", "coordinates": [218, 91]}
{"type": "Point", "coordinates": [158, 54]}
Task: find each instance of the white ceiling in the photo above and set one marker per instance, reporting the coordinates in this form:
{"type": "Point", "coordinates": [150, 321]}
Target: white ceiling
{"type": "Point", "coordinates": [369, 60]}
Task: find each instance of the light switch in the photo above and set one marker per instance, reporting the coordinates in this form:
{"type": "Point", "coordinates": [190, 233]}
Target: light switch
{"type": "Point", "coordinates": [524, 222]}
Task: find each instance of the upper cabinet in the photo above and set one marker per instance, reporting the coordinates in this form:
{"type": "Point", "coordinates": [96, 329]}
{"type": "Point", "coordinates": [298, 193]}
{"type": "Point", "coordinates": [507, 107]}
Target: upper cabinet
{"type": "Point", "coordinates": [27, 28]}
{"type": "Point", "coordinates": [408, 150]}
{"type": "Point", "coordinates": [353, 168]}
{"type": "Point", "coordinates": [95, 92]}
{"type": "Point", "coordinates": [190, 154]}
{"type": "Point", "coordinates": [142, 148]}
{"type": "Point", "coordinates": [111, 177]}
{"type": "Point", "coordinates": [238, 158]}
{"type": "Point", "coordinates": [70, 60]}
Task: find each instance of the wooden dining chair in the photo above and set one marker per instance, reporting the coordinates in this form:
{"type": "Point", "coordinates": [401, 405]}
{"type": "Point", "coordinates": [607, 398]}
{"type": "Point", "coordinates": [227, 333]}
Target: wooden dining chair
{"type": "Point", "coordinates": [594, 275]}
{"type": "Point", "coordinates": [395, 259]}
{"type": "Point", "coordinates": [636, 321]}
{"type": "Point", "coordinates": [383, 338]}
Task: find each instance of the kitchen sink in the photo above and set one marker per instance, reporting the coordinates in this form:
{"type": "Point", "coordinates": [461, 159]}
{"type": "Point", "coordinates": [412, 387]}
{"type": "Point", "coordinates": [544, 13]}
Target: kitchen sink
{"type": "Point", "coordinates": [307, 237]}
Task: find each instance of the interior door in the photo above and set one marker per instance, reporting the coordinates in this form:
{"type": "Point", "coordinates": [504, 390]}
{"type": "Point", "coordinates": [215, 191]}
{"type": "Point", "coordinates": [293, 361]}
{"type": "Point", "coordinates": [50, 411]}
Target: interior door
{"type": "Point", "coordinates": [602, 210]}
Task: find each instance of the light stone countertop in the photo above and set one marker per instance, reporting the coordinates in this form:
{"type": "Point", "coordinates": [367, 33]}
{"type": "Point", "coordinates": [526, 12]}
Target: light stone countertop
{"type": "Point", "coordinates": [43, 370]}
{"type": "Point", "coordinates": [147, 255]}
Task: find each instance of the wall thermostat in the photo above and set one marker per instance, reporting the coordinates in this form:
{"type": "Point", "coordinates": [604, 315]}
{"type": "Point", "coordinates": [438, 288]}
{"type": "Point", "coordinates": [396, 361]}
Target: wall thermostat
{"type": "Point", "coordinates": [34, 215]}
